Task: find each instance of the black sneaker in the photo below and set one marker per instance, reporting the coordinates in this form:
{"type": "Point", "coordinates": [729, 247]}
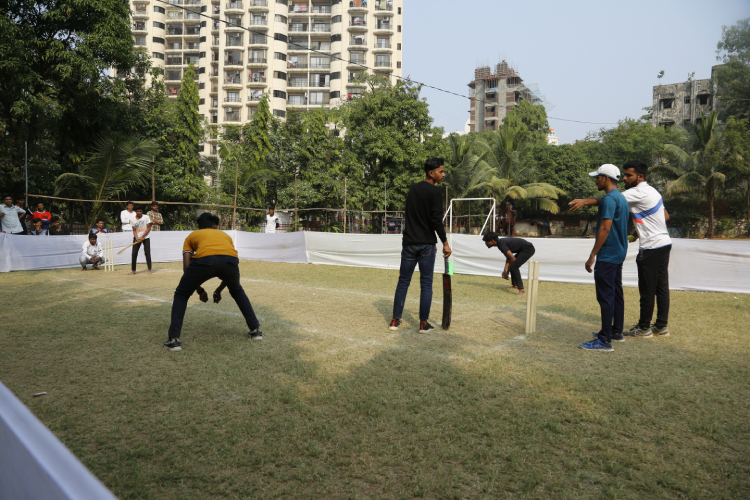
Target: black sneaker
{"type": "Point", "coordinates": [616, 337]}
{"type": "Point", "coordinates": [255, 334]}
{"type": "Point", "coordinates": [173, 345]}
{"type": "Point", "coordinates": [395, 323]}
{"type": "Point", "coordinates": [425, 327]}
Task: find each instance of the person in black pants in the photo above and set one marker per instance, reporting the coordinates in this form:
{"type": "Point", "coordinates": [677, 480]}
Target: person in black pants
{"type": "Point", "coordinates": [423, 218]}
{"type": "Point", "coordinates": [141, 225]}
{"type": "Point", "coordinates": [209, 253]}
{"type": "Point", "coordinates": [517, 251]}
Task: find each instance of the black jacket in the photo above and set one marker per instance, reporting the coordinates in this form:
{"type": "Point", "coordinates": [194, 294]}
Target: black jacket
{"type": "Point", "coordinates": [424, 215]}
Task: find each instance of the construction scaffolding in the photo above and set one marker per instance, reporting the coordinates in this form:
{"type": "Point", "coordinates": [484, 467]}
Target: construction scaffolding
{"type": "Point", "coordinates": [495, 94]}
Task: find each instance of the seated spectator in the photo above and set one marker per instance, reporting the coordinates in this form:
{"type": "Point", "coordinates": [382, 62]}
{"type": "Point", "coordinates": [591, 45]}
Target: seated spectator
{"type": "Point", "coordinates": [38, 229]}
{"type": "Point", "coordinates": [92, 253]}
{"type": "Point", "coordinates": [99, 227]}
{"type": "Point", "coordinates": [21, 203]}
{"type": "Point", "coordinates": [55, 228]}
{"type": "Point", "coordinates": [42, 215]}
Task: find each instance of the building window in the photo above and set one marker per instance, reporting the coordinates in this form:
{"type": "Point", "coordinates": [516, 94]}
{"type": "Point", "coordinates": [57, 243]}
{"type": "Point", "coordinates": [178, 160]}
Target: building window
{"type": "Point", "coordinates": [280, 94]}
{"type": "Point", "coordinates": [687, 99]}
{"type": "Point", "coordinates": [398, 64]}
{"type": "Point", "coordinates": [280, 75]}
{"type": "Point", "coordinates": [258, 38]}
{"type": "Point", "coordinates": [335, 19]}
{"type": "Point", "coordinates": [382, 61]}
{"type": "Point", "coordinates": [336, 75]}
{"type": "Point", "coordinates": [279, 112]}
{"type": "Point", "coordinates": [335, 38]}
{"type": "Point", "coordinates": [667, 103]}
{"type": "Point", "coordinates": [157, 55]}
{"type": "Point", "coordinates": [703, 99]}
{"type": "Point", "coordinates": [159, 25]}
{"type": "Point", "coordinates": [280, 36]}
{"type": "Point", "coordinates": [202, 102]}
{"type": "Point", "coordinates": [160, 10]}
{"type": "Point", "coordinates": [140, 41]}
{"type": "Point", "coordinates": [280, 18]}
{"type": "Point", "coordinates": [399, 28]}
{"type": "Point", "coordinates": [317, 98]}
{"type": "Point", "coordinates": [398, 46]}
{"type": "Point", "coordinates": [233, 97]}
{"type": "Point", "coordinates": [279, 56]}
{"type": "Point", "coordinates": [335, 95]}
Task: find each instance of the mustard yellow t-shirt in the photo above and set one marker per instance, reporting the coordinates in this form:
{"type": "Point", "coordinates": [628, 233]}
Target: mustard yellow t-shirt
{"type": "Point", "coordinates": [205, 242]}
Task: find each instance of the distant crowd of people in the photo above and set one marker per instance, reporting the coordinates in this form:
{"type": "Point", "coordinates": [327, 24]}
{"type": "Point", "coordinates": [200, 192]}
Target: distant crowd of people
{"type": "Point", "coordinates": [18, 219]}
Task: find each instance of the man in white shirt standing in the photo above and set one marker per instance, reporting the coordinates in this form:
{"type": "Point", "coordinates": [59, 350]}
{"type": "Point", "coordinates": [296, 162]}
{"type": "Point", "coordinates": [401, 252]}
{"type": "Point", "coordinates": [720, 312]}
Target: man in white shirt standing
{"type": "Point", "coordinates": [125, 217]}
{"type": "Point", "coordinates": [650, 218]}
{"type": "Point", "coordinates": [92, 253]}
{"type": "Point", "coordinates": [10, 215]}
{"type": "Point", "coordinates": [141, 225]}
{"type": "Point", "coordinates": [272, 222]}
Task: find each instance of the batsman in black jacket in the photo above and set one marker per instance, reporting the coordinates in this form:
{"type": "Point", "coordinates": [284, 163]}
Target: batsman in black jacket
{"type": "Point", "coordinates": [424, 218]}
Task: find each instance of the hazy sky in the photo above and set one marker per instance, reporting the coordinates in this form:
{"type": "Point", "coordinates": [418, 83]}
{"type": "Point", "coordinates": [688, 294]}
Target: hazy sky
{"type": "Point", "coordinates": [595, 60]}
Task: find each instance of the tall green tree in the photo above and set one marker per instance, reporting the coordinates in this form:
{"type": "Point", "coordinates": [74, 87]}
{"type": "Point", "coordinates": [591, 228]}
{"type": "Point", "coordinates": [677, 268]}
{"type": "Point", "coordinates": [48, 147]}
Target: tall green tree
{"type": "Point", "coordinates": [116, 164]}
{"type": "Point", "coordinates": [389, 131]}
{"type": "Point", "coordinates": [733, 77]}
{"type": "Point", "coordinates": [566, 167]}
{"type": "Point", "coordinates": [532, 117]}
{"type": "Point", "coordinates": [737, 143]}
{"type": "Point", "coordinates": [699, 169]}
{"type": "Point", "coordinates": [55, 92]}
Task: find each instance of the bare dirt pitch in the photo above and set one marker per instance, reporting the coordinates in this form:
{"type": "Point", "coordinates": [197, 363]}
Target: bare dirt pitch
{"type": "Point", "coordinates": [331, 404]}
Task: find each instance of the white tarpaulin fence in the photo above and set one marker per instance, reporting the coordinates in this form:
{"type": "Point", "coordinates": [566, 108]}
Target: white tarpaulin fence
{"type": "Point", "coordinates": [705, 265]}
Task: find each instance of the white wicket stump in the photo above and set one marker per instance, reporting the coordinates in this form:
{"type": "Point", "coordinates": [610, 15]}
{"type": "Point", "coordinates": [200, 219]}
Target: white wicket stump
{"type": "Point", "coordinates": [109, 256]}
{"type": "Point", "coordinates": [531, 297]}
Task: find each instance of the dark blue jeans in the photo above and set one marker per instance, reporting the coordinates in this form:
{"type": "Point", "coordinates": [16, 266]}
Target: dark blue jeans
{"type": "Point", "coordinates": [411, 255]}
{"type": "Point", "coordinates": [198, 272]}
{"type": "Point", "coordinates": [608, 281]}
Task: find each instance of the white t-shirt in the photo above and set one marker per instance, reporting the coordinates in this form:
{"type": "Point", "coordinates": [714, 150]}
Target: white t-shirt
{"type": "Point", "coordinates": [10, 221]}
{"type": "Point", "coordinates": [141, 225]}
{"type": "Point", "coordinates": [125, 217]}
{"type": "Point", "coordinates": [90, 251]}
{"type": "Point", "coordinates": [271, 221]}
{"type": "Point", "coordinates": [647, 210]}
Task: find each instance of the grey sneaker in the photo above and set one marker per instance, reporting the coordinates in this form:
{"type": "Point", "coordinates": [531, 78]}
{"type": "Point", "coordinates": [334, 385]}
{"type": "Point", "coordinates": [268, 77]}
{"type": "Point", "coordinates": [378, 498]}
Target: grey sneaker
{"type": "Point", "coordinates": [173, 344]}
{"type": "Point", "coordinates": [255, 334]}
{"type": "Point", "coordinates": [637, 331]}
{"type": "Point", "coordinates": [616, 337]}
{"type": "Point", "coordinates": [661, 332]}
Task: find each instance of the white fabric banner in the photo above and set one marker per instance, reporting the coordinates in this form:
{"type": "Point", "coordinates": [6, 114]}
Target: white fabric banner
{"type": "Point", "coordinates": [706, 265]}
{"type": "Point", "coordinates": [34, 464]}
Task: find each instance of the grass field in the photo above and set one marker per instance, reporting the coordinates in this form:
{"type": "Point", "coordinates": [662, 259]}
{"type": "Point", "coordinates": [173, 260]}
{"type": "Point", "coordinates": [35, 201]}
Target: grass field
{"type": "Point", "coordinates": [333, 405]}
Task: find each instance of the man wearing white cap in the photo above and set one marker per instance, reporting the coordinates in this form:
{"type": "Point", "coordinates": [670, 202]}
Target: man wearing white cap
{"type": "Point", "coordinates": [610, 249]}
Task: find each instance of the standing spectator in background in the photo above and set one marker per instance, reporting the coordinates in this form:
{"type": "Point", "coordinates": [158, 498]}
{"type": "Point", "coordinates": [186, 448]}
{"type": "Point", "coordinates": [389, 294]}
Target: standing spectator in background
{"type": "Point", "coordinates": [141, 227]}
{"type": "Point", "coordinates": [38, 228]}
{"type": "Point", "coordinates": [21, 203]}
{"type": "Point", "coordinates": [156, 219]}
{"type": "Point", "coordinates": [92, 253]}
{"type": "Point", "coordinates": [43, 215]}
{"type": "Point", "coordinates": [272, 222]}
{"type": "Point", "coordinates": [125, 217]}
{"type": "Point", "coordinates": [99, 227]}
{"type": "Point", "coordinates": [10, 215]}
{"type": "Point", "coordinates": [55, 229]}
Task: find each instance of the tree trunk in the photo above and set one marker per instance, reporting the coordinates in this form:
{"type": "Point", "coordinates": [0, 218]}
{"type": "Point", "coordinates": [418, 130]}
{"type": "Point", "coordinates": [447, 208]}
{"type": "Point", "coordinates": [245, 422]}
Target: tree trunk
{"type": "Point", "coordinates": [711, 216]}
{"type": "Point", "coordinates": [747, 199]}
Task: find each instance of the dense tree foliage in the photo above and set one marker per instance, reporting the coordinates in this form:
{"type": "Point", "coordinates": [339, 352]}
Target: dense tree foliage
{"type": "Point", "coordinates": [733, 77]}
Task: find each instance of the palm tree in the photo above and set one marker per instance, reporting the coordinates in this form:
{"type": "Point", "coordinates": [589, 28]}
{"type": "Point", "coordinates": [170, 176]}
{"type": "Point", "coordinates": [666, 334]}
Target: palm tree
{"type": "Point", "coordinates": [508, 156]}
{"type": "Point", "coordinates": [116, 164]}
{"type": "Point", "coordinates": [697, 172]}
{"type": "Point", "coordinates": [468, 173]}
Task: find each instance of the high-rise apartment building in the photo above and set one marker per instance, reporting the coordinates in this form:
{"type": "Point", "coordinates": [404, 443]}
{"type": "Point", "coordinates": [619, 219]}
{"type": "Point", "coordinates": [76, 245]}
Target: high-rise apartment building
{"type": "Point", "coordinates": [494, 94]}
{"type": "Point", "coordinates": [303, 53]}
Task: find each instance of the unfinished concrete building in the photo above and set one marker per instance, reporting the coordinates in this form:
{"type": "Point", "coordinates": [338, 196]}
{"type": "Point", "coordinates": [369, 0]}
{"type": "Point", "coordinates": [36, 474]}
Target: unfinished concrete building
{"type": "Point", "coordinates": [494, 94]}
{"type": "Point", "coordinates": [681, 103]}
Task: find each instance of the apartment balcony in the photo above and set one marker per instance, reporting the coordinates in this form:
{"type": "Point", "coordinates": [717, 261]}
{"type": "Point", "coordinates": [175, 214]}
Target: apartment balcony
{"type": "Point", "coordinates": [303, 84]}
{"type": "Point", "coordinates": [233, 27]}
{"type": "Point", "coordinates": [175, 32]}
{"type": "Point", "coordinates": [214, 89]}
{"type": "Point", "coordinates": [257, 83]}
{"type": "Point", "coordinates": [319, 85]}
{"type": "Point", "coordinates": [383, 29]}
{"type": "Point", "coordinates": [358, 26]}
{"type": "Point", "coordinates": [193, 2]}
{"type": "Point", "coordinates": [139, 29]}
{"type": "Point", "coordinates": [141, 2]}
{"type": "Point", "coordinates": [215, 26]}
{"type": "Point", "coordinates": [383, 10]}
{"type": "Point", "coordinates": [323, 66]}
{"type": "Point", "coordinates": [383, 65]}
{"type": "Point", "coordinates": [321, 10]}
{"type": "Point", "coordinates": [383, 49]}
{"type": "Point", "coordinates": [355, 64]}
{"type": "Point", "coordinates": [297, 47]}
{"type": "Point", "coordinates": [232, 62]}
{"type": "Point", "coordinates": [232, 118]}
{"type": "Point", "coordinates": [140, 14]}
{"type": "Point", "coordinates": [297, 102]}
{"type": "Point", "coordinates": [215, 11]}
{"type": "Point", "coordinates": [257, 24]}
{"type": "Point", "coordinates": [356, 8]}
{"type": "Point", "coordinates": [297, 66]}
{"type": "Point", "coordinates": [358, 48]}
{"type": "Point", "coordinates": [254, 98]}
{"type": "Point", "coordinates": [175, 15]}
{"type": "Point", "coordinates": [320, 28]}
{"type": "Point", "coordinates": [192, 18]}
{"type": "Point", "coordinates": [174, 47]}
{"type": "Point", "coordinates": [257, 62]}
{"type": "Point", "coordinates": [231, 102]}
{"type": "Point", "coordinates": [299, 28]}
{"type": "Point", "coordinates": [234, 8]}
{"type": "Point", "coordinates": [258, 6]}
{"type": "Point", "coordinates": [175, 2]}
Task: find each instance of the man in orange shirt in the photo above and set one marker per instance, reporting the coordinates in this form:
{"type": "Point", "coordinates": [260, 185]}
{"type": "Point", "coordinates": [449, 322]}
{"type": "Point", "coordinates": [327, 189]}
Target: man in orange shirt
{"type": "Point", "coordinates": [209, 253]}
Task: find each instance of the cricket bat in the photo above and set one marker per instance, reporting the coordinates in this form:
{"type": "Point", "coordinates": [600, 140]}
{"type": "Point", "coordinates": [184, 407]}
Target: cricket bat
{"type": "Point", "coordinates": [137, 241]}
{"type": "Point", "coordinates": [447, 295]}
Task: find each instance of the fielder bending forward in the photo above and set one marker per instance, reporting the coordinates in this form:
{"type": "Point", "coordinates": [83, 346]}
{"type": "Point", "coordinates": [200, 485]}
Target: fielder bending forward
{"type": "Point", "coordinates": [209, 253]}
